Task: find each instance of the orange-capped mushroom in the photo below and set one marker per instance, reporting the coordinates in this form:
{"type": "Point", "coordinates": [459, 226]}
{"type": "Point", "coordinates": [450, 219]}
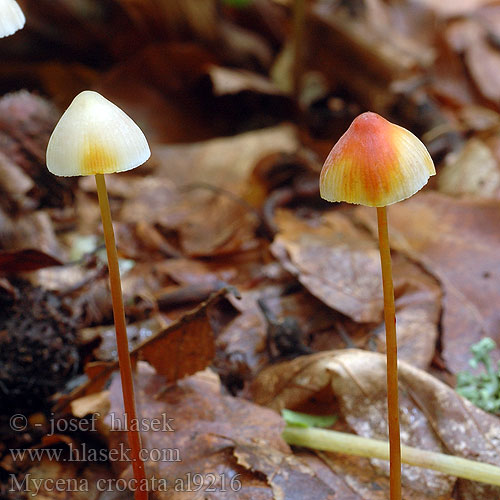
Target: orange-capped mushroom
{"type": "Point", "coordinates": [375, 163]}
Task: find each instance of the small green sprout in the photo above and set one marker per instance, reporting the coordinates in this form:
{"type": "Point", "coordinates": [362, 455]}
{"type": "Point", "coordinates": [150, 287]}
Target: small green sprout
{"type": "Point", "coordinates": [482, 389]}
{"type": "Point", "coordinates": [298, 419]}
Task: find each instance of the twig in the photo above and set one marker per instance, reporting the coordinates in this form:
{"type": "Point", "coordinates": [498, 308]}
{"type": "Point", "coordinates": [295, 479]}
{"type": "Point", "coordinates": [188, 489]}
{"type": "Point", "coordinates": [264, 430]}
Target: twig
{"type": "Point", "coordinates": [350, 444]}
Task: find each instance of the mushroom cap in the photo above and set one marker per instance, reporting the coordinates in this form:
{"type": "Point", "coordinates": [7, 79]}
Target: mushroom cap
{"type": "Point", "coordinates": [94, 136]}
{"type": "Point", "coordinates": [375, 163]}
{"type": "Point", "coordinates": [11, 17]}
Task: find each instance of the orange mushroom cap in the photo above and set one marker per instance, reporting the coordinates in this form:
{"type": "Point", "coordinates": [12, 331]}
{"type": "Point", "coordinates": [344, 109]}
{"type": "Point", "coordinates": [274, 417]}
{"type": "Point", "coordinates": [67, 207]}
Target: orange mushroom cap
{"type": "Point", "coordinates": [375, 163]}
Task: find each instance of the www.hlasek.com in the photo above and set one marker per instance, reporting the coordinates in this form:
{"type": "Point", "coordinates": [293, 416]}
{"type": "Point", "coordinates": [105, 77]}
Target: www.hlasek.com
{"type": "Point", "coordinates": [82, 453]}
{"type": "Point", "coordinates": [188, 483]}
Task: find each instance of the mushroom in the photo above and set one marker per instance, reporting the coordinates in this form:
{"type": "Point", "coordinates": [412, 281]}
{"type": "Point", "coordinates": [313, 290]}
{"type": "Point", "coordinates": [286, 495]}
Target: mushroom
{"type": "Point", "coordinates": [377, 163]}
{"type": "Point", "coordinates": [11, 17]}
{"type": "Point", "coordinates": [95, 137]}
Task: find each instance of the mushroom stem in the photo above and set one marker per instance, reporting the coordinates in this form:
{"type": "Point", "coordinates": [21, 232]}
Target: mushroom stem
{"type": "Point", "coordinates": [122, 341]}
{"type": "Point", "coordinates": [392, 355]}
{"type": "Point", "coordinates": [342, 442]}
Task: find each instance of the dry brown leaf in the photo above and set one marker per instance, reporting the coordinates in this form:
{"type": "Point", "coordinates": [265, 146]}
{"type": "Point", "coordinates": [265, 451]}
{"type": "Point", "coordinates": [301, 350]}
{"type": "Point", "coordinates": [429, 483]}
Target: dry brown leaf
{"type": "Point", "coordinates": [340, 264]}
{"type": "Point", "coordinates": [26, 260]}
{"type": "Point", "coordinates": [181, 349]}
{"type": "Point", "coordinates": [289, 477]}
{"type": "Point", "coordinates": [468, 37]}
{"type": "Point", "coordinates": [208, 222]}
{"type": "Point", "coordinates": [483, 62]}
{"type": "Point", "coordinates": [26, 121]}
{"type": "Point", "coordinates": [208, 209]}
{"type": "Point", "coordinates": [478, 118]}
{"type": "Point", "coordinates": [450, 81]}
{"type": "Point", "coordinates": [474, 171]}
{"type": "Point", "coordinates": [15, 186]}
{"type": "Point", "coordinates": [217, 225]}
{"type": "Point", "coordinates": [455, 8]}
{"type": "Point", "coordinates": [457, 241]}
{"type": "Point", "coordinates": [418, 310]}
{"type": "Point", "coordinates": [229, 81]}
{"type": "Point", "coordinates": [215, 435]}
{"type": "Point", "coordinates": [34, 230]}
{"type": "Point", "coordinates": [433, 416]}
{"type": "Point", "coordinates": [200, 190]}
{"type": "Point", "coordinates": [225, 162]}
{"type": "Point", "coordinates": [136, 333]}
{"type": "Point", "coordinates": [335, 261]}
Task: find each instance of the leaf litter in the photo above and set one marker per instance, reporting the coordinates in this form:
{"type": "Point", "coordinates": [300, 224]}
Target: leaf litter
{"type": "Point", "coordinates": [230, 199]}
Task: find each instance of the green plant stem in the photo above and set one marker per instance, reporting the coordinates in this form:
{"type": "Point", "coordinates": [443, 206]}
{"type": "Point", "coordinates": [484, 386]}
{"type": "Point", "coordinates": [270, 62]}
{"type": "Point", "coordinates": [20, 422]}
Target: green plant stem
{"type": "Point", "coordinates": [122, 341]}
{"type": "Point", "coordinates": [350, 444]}
{"type": "Point", "coordinates": [392, 355]}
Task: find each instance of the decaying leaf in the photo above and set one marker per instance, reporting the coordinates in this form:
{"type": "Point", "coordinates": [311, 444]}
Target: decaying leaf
{"type": "Point", "coordinates": [219, 437]}
{"type": "Point", "coordinates": [475, 171]}
{"type": "Point", "coordinates": [418, 310]}
{"type": "Point", "coordinates": [26, 260]}
{"type": "Point", "coordinates": [433, 416]}
{"type": "Point", "coordinates": [340, 264]}
{"type": "Point", "coordinates": [288, 476]}
{"type": "Point", "coordinates": [457, 241]}
{"type": "Point", "coordinates": [136, 333]}
{"type": "Point", "coordinates": [224, 162]}
{"type": "Point", "coordinates": [227, 81]}
{"type": "Point", "coordinates": [31, 231]}
{"type": "Point", "coordinates": [335, 261]}
{"type": "Point", "coordinates": [182, 348]}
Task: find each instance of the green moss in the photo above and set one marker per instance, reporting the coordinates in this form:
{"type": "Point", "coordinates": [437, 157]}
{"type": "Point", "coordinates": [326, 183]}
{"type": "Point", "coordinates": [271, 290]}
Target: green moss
{"type": "Point", "coordinates": [482, 389]}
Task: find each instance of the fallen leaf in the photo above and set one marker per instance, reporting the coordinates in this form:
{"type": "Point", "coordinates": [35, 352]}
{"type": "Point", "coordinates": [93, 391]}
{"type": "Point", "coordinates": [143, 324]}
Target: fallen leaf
{"type": "Point", "coordinates": [229, 81]}
{"type": "Point", "coordinates": [288, 476]}
{"type": "Point", "coordinates": [34, 230]}
{"type": "Point", "coordinates": [483, 62]}
{"type": "Point", "coordinates": [16, 186]}
{"type": "Point", "coordinates": [418, 310]}
{"type": "Point", "coordinates": [473, 171]}
{"type": "Point", "coordinates": [215, 436]}
{"type": "Point", "coordinates": [454, 9]}
{"type": "Point", "coordinates": [340, 264]}
{"type": "Point", "coordinates": [335, 261]}
{"type": "Point", "coordinates": [182, 351]}
{"type": "Point", "coordinates": [26, 260]}
{"type": "Point", "coordinates": [456, 241]}
{"type": "Point", "coordinates": [136, 333]}
{"type": "Point", "coordinates": [182, 348]}
{"type": "Point", "coordinates": [224, 162]}
{"type": "Point", "coordinates": [26, 121]}
{"type": "Point", "coordinates": [433, 416]}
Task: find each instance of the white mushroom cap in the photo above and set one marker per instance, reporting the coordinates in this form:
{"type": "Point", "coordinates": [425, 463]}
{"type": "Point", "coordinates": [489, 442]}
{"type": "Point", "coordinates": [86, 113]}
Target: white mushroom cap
{"type": "Point", "coordinates": [11, 17]}
{"type": "Point", "coordinates": [94, 136]}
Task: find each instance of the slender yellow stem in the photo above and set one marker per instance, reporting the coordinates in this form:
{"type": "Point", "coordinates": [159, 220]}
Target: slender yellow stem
{"type": "Point", "coordinates": [392, 355]}
{"type": "Point", "coordinates": [350, 444]}
{"type": "Point", "coordinates": [122, 341]}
